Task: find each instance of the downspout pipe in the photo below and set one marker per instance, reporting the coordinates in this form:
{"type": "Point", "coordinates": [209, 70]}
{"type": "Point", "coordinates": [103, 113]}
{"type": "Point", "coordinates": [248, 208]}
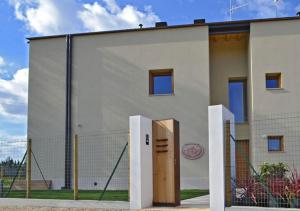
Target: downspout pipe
{"type": "Point", "coordinates": [68, 126]}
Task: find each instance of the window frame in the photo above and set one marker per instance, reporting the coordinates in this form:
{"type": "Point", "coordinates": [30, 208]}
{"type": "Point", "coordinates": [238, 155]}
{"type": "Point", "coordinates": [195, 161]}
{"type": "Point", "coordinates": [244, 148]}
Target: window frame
{"type": "Point", "coordinates": [274, 76]}
{"type": "Point", "coordinates": [281, 144]}
{"type": "Point", "coordinates": [160, 72]}
{"type": "Point", "coordinates": [245, 93]}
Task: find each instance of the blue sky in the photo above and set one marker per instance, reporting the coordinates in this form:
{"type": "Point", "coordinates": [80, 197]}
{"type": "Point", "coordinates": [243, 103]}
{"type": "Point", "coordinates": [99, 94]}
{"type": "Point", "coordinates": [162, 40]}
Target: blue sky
{"type": "Point", "coordinates": [22, 18]}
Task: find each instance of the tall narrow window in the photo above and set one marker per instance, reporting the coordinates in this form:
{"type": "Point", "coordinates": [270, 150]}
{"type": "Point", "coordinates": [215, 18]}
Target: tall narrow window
{"type": "Point", "coordinates": [238, 99]}
{"type": "Point", "coordinates": [161, 82]}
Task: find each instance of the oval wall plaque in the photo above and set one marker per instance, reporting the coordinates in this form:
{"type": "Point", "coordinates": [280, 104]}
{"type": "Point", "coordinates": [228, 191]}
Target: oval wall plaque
{"type": "Point", "coordinates": [192, 151]}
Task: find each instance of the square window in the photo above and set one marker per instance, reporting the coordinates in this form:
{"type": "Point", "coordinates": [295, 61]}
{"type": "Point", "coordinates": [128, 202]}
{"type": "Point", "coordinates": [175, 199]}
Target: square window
{"type": "Point", "coordinates": [275, 143]}
{"type": "Point", "coordinates": [273, 80]}
{"type": "Point", "coordinates": [161, 82]}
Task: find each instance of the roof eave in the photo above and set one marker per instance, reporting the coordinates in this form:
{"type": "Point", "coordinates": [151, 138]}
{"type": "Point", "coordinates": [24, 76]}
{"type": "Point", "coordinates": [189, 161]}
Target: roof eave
{"type": "Point", "coordinates": [243, 24]}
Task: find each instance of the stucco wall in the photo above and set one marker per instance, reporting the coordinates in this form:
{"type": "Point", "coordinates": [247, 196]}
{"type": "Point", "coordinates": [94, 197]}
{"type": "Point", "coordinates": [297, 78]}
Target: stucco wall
{"type": "Point", "coordinates": [228, 59]}
{"type": "Point", "coordinates": [275, 47]}
{"type": "Point", "coordinates": [111, 76]}
{"type": "Point", "coordinates": [46, 110]}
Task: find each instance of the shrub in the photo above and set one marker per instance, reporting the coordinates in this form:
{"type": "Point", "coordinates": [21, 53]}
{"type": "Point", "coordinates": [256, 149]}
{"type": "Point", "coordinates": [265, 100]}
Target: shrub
{"type": "Point", "coordinates": [292, 190]}
{"type": "Point", "coordinates": [274, 170]}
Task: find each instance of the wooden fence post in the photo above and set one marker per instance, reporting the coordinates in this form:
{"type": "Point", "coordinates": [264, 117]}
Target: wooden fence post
{"type": "Point", "coordinates": [129, 166]}
{"type": "Point", "coordinates": [1, 172]}
{"type": "Point", "coordinates": [28, 170]}
{"type": "Point", "coordinates": [228, 191]}
{"type": "Point", "coordinates": [75, 167]}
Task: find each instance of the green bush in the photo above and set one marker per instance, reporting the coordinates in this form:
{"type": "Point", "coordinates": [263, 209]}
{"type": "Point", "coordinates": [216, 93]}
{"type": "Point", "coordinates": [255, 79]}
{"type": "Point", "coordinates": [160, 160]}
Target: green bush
{"type": "Point", "coordinates": [274, 170]}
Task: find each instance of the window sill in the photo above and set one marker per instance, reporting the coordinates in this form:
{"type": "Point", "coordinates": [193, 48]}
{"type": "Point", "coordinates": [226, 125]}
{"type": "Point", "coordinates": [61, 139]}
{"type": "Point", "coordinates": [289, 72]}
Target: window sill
{"type": "Point", "coordinates": [242, 123]}
{"type": "Point", "coordinates": [276, 151]}
{"type": "Point", "coordinates": [271, 89]}
{"type": "Point", "coordinates": [158, 95]}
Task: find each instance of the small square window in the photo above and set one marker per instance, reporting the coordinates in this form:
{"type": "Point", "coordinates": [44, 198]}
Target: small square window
{"type": "Point", "coordinates": [275, 143]}
{"type": "Point", "coordinates": [161, 82]}
{"type": "Point", "coordinates": [273, 80]}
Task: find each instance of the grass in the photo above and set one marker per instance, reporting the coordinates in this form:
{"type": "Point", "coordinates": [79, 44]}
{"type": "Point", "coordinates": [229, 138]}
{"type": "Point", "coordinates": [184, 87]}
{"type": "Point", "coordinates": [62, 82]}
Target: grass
{"type": "Point", "coordinates": [110, 195]}
{"type": "Point", "coordinates": [7, 182]}
{"type": "Point", "coordinates": [188, 194]}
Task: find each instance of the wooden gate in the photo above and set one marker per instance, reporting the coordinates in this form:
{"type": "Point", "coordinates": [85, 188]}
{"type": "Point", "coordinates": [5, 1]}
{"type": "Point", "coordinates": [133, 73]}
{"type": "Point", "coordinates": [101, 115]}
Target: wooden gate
{"type": "Point", "coordinates": [166, 163]}
{"type": "Point", "coordinates": [241, 160]}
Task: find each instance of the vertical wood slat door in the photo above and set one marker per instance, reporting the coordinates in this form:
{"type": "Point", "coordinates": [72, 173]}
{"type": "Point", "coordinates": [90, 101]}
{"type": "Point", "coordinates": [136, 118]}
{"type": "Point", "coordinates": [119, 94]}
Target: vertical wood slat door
{"type": "Point", "coordinates": [241, 160]}
{"type": "Point", "coordinates": [166, 163]}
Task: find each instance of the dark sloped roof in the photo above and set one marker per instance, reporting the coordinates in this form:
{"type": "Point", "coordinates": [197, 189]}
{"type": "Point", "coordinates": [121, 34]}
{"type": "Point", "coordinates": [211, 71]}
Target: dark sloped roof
{"type": "Point", "coordinates": [214, 27]}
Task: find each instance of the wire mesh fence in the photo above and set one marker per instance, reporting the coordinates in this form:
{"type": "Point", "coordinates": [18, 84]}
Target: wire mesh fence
{"type": "Point", "coordinates": [103, 164]}
{"type": "Point", "coordinates": [103, 168]}
{"type": "Point", "coordinates": [267, 165]}
{"type": "Point", "coordinates": [12, 167]}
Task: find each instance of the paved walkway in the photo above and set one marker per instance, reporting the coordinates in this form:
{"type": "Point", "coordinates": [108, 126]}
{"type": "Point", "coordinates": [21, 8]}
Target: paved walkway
{"type": "Point", "coordinates": [199, 203]}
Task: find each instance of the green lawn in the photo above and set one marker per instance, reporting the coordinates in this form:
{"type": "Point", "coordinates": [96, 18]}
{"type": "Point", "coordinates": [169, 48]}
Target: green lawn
{"type": "Point", "coordinates": [120, 195]}
{"type": "Point", "coordinates": [188, 194]}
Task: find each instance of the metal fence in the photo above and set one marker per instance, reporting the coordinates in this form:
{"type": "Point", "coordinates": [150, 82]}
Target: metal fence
{"type": "Point", "coordinates": [12, 164]}
{"type": "Point", "coordinates": [267, 165]}
{"type": "Point", "coordinates": [101, 161]}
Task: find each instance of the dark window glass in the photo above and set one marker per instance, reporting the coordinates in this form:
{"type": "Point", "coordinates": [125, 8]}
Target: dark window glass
{"type": "Point", "coordinates": [161, 82]}
{"type": "Point", "coordinates": [275, 143]}
{"type": "Point", "coordinates": [273, 80]}
{"type": "Point", "coordinates": [162, 85]}
{"type": "Point", "coordinates": [272, 83]}
{"type": "Point", "coordinates": [237, 100]}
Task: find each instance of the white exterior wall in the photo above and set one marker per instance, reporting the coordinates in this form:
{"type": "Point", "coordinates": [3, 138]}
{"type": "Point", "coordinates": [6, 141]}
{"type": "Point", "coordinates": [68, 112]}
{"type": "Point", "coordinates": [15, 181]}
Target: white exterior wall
{"type": "Point", "coordinates": [111, 80]}
{"type": "Point", "coordinates": [275, 47]}
{"type": "Point", "coordinates": [46, 107]}
{"type": "Point", "coordinates": [111, 83]}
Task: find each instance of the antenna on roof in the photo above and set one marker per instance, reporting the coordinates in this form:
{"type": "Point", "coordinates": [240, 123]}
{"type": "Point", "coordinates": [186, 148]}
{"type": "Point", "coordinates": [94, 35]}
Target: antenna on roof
{"type": "Point", "coordinates": [276, 2]}
{"type": "Point", "coordinates": [233, 8]}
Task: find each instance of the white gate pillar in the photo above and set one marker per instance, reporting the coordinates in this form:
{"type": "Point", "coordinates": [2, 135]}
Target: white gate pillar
{"type": "Point", "coordinates": [141, 173]}
{"type": "Point", "coordinates": [218, 115]}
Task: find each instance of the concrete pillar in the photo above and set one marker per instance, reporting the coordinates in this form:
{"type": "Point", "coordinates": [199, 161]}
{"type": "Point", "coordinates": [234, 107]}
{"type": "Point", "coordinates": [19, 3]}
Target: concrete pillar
{"type": "Point", "coordinates": [218, 116]}
{"type": "Point", "coordinates": [141, 172]}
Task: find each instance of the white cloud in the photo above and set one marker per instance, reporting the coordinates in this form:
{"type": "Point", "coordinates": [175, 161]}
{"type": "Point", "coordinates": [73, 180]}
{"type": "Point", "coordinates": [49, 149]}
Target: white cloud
{"type": "Point", "coordinates": [298, 8]}
{"type": "Point", "coordinates": [13, 97]}
{"type": "Point", "coordinates": [13, 111]}
{"type": "Point", "coordinates": [97, 17]}
{"type": "Point", "coordinates": [265, 8]}
{"type": "Point", "coordinates": [47, 17]}
{"type": "Point", "coordinates": [2, 61]}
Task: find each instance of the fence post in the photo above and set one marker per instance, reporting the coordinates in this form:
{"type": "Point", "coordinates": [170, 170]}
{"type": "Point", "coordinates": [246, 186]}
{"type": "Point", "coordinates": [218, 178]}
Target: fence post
{"type": "Point", "coordinates": [1, 188]}
{"type": "Point", "coordinates": [129, 141]}
{"type": "Point", "coordinates": [75, 167]}
{"type": "Point", "coordinates": [28, 169]}
{"type": "Point", "coordinates": [1, 172]}
{"type": "Point", "coordinates": [228, 192]}
{"type": "Point", "coordinates": [218, 171]}
{"type": "Point", "coordinates": [141, 172]}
